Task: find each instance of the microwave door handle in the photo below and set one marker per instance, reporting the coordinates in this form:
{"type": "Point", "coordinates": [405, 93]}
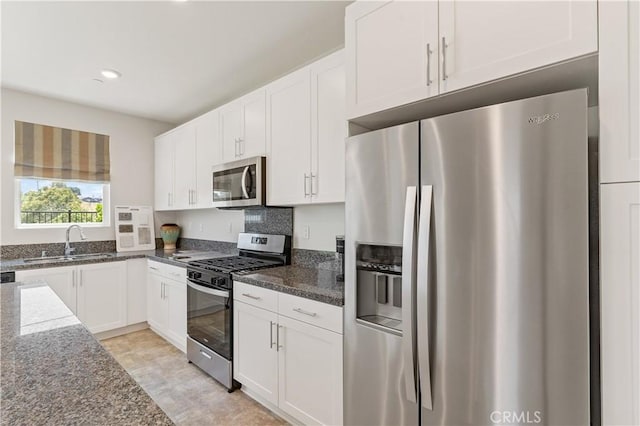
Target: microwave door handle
{"type": "Point", "coordinates": [408, 347]}
{"type": "Point", "coordinates": [424, 231]}
{"type": "Point", "coordinates": [207, 290]}
{"type": "Point", "coordinates": [244, 181]}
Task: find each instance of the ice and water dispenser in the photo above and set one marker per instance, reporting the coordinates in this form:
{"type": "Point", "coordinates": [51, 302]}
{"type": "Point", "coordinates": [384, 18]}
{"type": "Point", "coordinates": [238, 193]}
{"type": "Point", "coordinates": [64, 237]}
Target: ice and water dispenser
{"type": "Point", "coordinates": [379, 286]}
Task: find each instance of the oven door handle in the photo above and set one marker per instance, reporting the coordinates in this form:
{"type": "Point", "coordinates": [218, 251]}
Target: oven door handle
{"type": "Point", "coordinates": [207, 290]}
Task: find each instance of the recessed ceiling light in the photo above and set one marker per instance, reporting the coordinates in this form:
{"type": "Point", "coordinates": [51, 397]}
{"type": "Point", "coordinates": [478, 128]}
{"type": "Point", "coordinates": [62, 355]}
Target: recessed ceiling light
{"type": "Point", "coordinates": [112, 74]}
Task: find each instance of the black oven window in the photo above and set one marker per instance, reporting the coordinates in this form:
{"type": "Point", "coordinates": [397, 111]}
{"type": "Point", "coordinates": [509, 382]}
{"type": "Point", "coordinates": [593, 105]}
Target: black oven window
{"type": "Point", "coordinates": [209, 321]}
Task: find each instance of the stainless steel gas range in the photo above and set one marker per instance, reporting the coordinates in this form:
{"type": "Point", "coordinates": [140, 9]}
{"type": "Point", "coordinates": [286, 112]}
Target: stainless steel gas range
{"type": "Point", "coordinates": [210, 301]}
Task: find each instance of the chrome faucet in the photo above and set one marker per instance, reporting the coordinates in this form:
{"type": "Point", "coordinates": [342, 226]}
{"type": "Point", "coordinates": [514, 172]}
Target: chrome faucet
{"type": "Point", "coordinates": [67, 248]}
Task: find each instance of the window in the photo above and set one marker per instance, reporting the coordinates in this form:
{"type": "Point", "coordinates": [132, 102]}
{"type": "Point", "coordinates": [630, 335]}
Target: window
{"type": "Point", "coordinates": [62, 176]}
{"type": "Point", "coordinates": [54, 202]}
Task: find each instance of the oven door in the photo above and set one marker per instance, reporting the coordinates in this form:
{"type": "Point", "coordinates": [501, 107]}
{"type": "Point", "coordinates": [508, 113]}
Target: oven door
{"type": "Point", "coordinates": [240, 183]}
{"type": "Point", "coordinates": [209, 317]}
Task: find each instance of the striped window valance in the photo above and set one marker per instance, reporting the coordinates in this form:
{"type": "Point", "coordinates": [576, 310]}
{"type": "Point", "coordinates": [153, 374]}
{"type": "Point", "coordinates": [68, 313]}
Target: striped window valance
{"type": "Point", "coordinates": [54, 153]}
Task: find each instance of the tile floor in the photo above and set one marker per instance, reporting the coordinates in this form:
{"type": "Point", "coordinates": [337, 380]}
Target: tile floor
{"type": "Point", "coordinates": [183, 391]}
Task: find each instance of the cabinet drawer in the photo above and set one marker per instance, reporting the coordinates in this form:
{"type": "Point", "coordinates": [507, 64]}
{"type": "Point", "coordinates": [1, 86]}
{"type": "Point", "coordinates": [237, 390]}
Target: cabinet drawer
{"type": "Point", "coordinates": [310, 311]}
{"type": "Point", "coordinates": [174, 272]}
{"type": "Point", "coordinates": [256, 296]}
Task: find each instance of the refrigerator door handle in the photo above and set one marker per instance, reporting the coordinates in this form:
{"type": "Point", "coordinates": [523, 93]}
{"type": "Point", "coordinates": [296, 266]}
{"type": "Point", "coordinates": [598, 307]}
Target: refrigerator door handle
{"type": "Point", "coordinates": [424, 231]}
{"type": "Point", "coordinates": [408, 337]}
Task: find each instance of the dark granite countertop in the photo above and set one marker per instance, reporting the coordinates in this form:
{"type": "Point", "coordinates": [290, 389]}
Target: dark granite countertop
{"type": "Point", "coordinates": [310, 283]}
{"type": "Point", "coordinates": [157, 255]}
{"type": "Point", "coordinates": [53, 371]}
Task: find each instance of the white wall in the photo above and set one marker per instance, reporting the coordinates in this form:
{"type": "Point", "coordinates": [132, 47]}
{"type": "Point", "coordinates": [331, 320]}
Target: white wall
{"type": "Point", "coordinates": [324, 221]}
{"type": "Point", "coordinates": [131, 146]}
{"type": "Point", "coordinates": [211, 224]}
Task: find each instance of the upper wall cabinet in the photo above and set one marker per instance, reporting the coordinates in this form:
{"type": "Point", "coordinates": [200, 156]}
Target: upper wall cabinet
{"type": "Point", "coordinates": [306, 130]}
{"type": "Point", "coordinates": [391, 54]}
{"type": "Point", "coordinates": [183, 161]}
{"type": "Point", "coordinates": [400, 52]}
{"type": "Point", "coordinates": [242, 127]}
{"type": "Point", "coordinates": [619, 91]}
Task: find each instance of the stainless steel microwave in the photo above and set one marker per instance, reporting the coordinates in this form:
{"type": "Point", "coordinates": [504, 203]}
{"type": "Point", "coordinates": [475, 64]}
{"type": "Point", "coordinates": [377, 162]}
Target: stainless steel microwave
{"type": "Point", "coordinates": [240, 183]}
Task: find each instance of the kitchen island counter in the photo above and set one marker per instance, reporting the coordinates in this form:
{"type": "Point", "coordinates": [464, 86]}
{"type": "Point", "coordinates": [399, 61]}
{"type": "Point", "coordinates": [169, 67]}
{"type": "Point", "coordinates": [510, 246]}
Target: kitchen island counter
{"type": "Point", "coordinates": [53, 371]}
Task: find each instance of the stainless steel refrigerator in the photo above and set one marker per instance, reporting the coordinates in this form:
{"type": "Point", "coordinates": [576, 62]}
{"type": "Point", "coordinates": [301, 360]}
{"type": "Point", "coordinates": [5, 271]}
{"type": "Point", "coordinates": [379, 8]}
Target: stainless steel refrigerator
{"type": "Point", "coordinates": [466, 268]}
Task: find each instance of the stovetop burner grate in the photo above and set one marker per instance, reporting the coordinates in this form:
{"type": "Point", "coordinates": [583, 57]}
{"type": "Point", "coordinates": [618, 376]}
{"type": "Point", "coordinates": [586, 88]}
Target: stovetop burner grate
{"type": "Point", "coordinates": [234, 263]}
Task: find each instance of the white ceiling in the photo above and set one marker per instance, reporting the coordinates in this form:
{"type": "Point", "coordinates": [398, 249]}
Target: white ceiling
{"type": "Point", "coordinates": [177, 59]}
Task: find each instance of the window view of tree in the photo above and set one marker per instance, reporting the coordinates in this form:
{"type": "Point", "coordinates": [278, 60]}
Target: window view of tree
{"type": "Point", "coordinates": [60, 202]}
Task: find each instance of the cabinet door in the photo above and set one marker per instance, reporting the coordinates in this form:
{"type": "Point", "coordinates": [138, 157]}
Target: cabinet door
{"type": "Point", "coordinates": [102, 296]}
{"type": "Point", "coordinates": [163, 173]}
{"type": "Point", "coordinates": [493, 39]}
{"type": "Point", "coordinates": [328, 129]}
{"type": "Point", "coordinates": [388, 63]}
{"type": "Point", "coordinates": [231, 130]}
{"type": "Point", "coordinates": [255, 356]}
{"type": "Point", "coordinates": [619, 90]}
{"type": "Point", "coordinates": [289, 138]}
{"type": "Point", "coordinates": [176, 296]}
{"type": "Point", "coordinates": [136, 291]}
{"type": "Point", "coordinates": [208, 153]}
{"type": "Point", "coordinates": [310, 372]}
{"type": "Point", "coordinates": [620, 302]}
{"type": "Point", "coordinates": [61, 281]}
{"type": "Point", "coordinates": [185, 166]}
{"type": "Point", "coordinates": [254, 124]}
{"type": "Point", "coordinates": [157, 314]}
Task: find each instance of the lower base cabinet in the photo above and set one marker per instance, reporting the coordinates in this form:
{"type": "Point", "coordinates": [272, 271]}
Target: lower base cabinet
{"type": "Point", "coordinates": [95, 293]}
{"type": "Point", "coordinates": [167, 302]}
{"type": "Point", "coordinates": [289, 363]}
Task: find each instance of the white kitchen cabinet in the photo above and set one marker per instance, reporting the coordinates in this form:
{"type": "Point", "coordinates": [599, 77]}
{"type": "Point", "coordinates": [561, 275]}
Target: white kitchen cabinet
{"type": "Point", "coordinates": [620, 302]}
{"type": "Point", "coordinates": [484, 41]}
{"type": "Point", "coordinates": [242, 127]}
{"type": "Point", "coordinates": [255, 361]}
{"type": "Point", "coordinates": [387, 45]}
{"type": "Point", "coordinates": [164, 172]}
{"type": "Point", "coordinates": [102, 296]}
{"type": "Point", "coordinates": [309, 372]}
{"type": "Point", "coordinates": [208, 153]}
{"type": "Point", "coordinates": [290, 359]}
{"type": "Point", "coordinates": [306, 131]}
{"type": "Point", "coordinates": [136, 291]}
{"type": "Point", "coordinates": [289, 139]}
{"type": "Point", "coordinates": [184, 139]}
{"type": "Point", "coordinates": [619, 91]}
{"type": "Point", "coordinates": [61, 280]}
{"type": "Point", "coordinates": [392, 54]}
{"type": "Point", "coordinates": [95, 293]}
{"type": "Point", "coordinates": [167, 302]}
{"type": "Point", "coordinates": [329, 129]}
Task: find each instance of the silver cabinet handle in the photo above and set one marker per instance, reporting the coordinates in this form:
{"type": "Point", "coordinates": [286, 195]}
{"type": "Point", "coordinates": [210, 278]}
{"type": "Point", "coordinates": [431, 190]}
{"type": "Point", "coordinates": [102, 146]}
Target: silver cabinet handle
{"type": "Point", "coordinates": [154, 268]}
{"type": "Point", "coordinates": [279, 346]}
{"type": "Point", "coordinates": [311, 180]}
{"type": "Point", "coordinates": [80, 277]}
{"type": "Point", "coordinates": [429, 52]}
{"type": "Point", "coordinates": [175, 274]}
{"type": "Point", "coordinates": [162, 291]}
{"type": "Point", "coordinates": [168, 198]}
{"type": "Point", "coordinates": [306, 192]}
{"type": "Point", "coordinates": [241, 145]}
{"type": "Point", "coordinates": [424, 228]}
{"type": "Point", "coordinates": [251, 296]}
{"type": "Point", "coordinates": [190, 197]}
{"type": "Point", "coordinates": [194, 196]}
{"type": "Point", "coordinates": [408, 289]}
{"type": "Point", "coordinates": [73, 278]}
{"type": "Point", "coordinates": [302, 311]}
{"type": "Point", "coordinates": [444, 59]}
{"type": "Point", "coordinates": [271, 334]}
{"type": "Point", "coordinates": [204, 354]}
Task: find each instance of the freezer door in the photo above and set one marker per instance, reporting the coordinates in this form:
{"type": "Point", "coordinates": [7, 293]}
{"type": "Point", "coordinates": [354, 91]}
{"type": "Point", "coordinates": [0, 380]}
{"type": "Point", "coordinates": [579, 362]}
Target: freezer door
{"type": "Point", "coordinates": [507, 287]}
{"type": "Point", "coordinates": [381, 213]}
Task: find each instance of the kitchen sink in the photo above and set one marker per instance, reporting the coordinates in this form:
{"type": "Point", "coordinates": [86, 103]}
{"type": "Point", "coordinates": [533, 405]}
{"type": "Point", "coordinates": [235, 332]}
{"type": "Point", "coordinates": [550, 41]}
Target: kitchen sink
{"type": "Point", "coordinates": [54, 259]}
